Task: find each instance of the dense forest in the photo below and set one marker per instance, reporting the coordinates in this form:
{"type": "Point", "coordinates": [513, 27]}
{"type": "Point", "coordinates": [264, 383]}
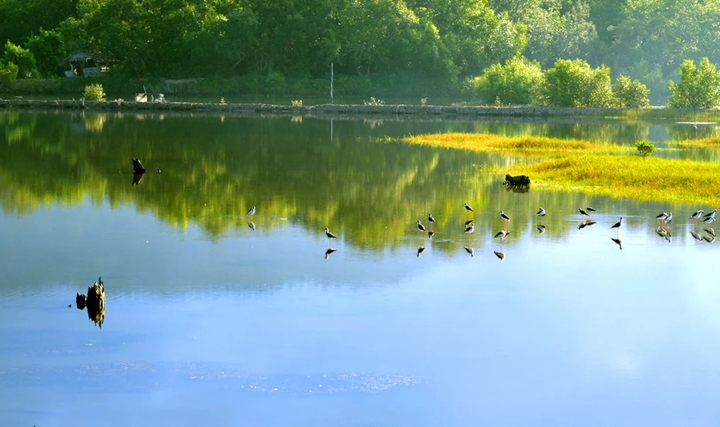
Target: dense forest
{"type": "Point", "coordinates": [448, 42]}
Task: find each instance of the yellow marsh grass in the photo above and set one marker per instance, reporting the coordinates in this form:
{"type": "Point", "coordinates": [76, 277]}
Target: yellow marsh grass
{"type": "Point", "coordinates": [712, 143]}
{"type": "Point", "coordinates": [602, 169]}
{"type": "Point", "coordinates": [521, 146]}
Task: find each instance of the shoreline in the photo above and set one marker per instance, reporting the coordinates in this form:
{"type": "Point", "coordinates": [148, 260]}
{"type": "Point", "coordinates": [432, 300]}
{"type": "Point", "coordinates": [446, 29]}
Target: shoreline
{"type": "Point", "coordinates": [449, 111]}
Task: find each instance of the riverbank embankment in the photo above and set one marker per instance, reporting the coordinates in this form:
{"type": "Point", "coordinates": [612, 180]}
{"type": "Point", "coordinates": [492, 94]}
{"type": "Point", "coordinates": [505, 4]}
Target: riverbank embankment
{"type": "Point", "coordinates": [464, 111]}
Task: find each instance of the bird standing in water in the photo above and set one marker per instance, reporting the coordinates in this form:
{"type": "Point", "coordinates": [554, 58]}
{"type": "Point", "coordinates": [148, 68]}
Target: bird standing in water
{"type": "Point", "coordinates": [541, 212]}
{"type": "Point", "coordinates": [431, 219]}
{"type": "Point", "coordinates": [618, 225]}
{"type": "Point", "coordinates": [420, 226]}
{"type": "Point", "coordinates": [329, 235]}
{"type": "Point", "coordinates": [468, 208]}
{"type": "Point", "coordinates": [251, 212]}
{"type": "Point", "coordinates": [504, 216]}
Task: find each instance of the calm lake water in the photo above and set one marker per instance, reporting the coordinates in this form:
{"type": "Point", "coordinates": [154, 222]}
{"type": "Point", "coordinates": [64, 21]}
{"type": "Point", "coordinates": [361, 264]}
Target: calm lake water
{"type": "Point", "coordinates": [215, 317]}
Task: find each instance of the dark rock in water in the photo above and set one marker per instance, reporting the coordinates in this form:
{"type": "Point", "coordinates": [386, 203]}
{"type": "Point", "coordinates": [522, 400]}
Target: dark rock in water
{"type": "Point", "coordinates": [94, 301]}
{"type": "Point", "coordinates": [517, 184]}
{"type": "Point", "coordinates": [517, 180]}
{"type": "Point", "coordinates": [137, 166]}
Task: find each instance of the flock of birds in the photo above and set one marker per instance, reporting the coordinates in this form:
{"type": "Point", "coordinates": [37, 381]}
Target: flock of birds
{"type": "Point", "coordinates": [664, 219]}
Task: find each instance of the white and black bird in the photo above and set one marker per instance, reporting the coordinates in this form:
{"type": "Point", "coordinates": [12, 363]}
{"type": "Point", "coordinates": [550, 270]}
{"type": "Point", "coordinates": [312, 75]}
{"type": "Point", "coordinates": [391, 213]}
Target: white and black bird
{"type": "Point", "coordinates": [251, 211]}
{"type": "Point", "coordinates": [662, 217]}
{"type": "Point", "coordinates": [541, 212]}
{"type": "Point", "coordinates": [470, 228]}
{"type": "Point", "coordinates": [329, 234]}
{"type": "Point", "coordinates": [468, 222]}
{"type": "Point", "coordinates": [470, 250]}
{"type": "Point", "coordinates": [696, 216]}
{"type": "Point", "coordinates": [541, 229]}
{"type": "Point", "coordinates": [504, 216]}
{"type": "Point", "coordinates": [710, 217]}
{"type": "Point", "coordinates": [618, 224]}
{"type": "Point", "coordinates": [420, 226]}
{"type": "Point", "coordinates": [590, 210]}
{"type": "Point", "coordinates": [583, 212]}
{"type": "Point", "coordinates": [668, 218]}
{"type": "Point", "coordinates": [468, 208]}
{"type": "Point", "coordinates": [420, 250]}
{"type": "Point", "coordinates": [502, 234]}
{"type": "Point", "coordinates": [431, 219]}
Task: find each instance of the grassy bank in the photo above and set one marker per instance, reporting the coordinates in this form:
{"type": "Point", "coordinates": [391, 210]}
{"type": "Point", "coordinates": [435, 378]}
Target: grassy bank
{"type": "Point", "coordinates": [601, 169]}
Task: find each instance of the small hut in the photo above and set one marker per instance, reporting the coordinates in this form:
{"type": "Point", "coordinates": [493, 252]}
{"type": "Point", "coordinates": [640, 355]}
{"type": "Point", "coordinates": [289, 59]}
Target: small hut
{"type": "Point", "coordinates": [87, 64]}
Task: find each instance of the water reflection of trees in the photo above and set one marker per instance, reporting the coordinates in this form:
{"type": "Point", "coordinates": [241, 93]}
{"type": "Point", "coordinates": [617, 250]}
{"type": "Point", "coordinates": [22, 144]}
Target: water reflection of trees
{"type": "Point", "coordinates": [370, 193]}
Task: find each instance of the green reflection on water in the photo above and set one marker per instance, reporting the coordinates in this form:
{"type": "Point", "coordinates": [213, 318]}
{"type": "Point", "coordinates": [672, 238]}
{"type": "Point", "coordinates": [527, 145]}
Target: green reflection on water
{"type": "Point", "coordinates": [316, 172]}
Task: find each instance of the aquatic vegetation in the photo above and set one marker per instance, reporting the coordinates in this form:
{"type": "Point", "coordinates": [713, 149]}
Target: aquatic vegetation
{"type": "Point", "coordinates": [521, 146]}
{"type": "Point", "coordinates": [712, 143]}
{"type": "Point", "coordinates": [602, 169]}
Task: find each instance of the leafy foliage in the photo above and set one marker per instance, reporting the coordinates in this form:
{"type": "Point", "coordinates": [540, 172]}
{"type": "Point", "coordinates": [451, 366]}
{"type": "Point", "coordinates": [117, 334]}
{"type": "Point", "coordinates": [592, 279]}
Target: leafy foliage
{"type": "Point", "coordinates": [630, 93]}
{"type": "Point", "coordinates": [645, 147]}
{"type": "Point", "coordinates": [573, 83]}
{"type": "Point", "coordinates": [23, 58]}
{"type": "Point", "coordinates": [518, 82]}
{"type": "Point", "coordinates": [699, 87]}
{"type": "Point", "coordinates": [8, 72]}
{"type": "Point", "coordinates": [94, 92]}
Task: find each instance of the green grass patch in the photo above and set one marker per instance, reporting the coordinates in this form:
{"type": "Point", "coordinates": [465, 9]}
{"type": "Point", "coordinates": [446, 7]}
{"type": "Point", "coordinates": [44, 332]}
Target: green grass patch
{"type": "Point", "coordinates": [601, 169]}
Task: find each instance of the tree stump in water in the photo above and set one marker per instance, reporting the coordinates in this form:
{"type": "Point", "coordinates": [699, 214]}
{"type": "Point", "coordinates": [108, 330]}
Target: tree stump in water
{"type": "Point", "coordinates": [94, 301]}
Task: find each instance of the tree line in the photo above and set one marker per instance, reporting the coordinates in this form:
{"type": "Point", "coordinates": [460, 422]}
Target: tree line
{"type": "Point", "coordinates": [447, 41]}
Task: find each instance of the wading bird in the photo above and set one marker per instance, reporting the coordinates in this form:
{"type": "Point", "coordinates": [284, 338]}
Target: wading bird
{"type": "Point", "coordinates": [468, 208]}
{"type": "Point", "coordinates": [420, 226]}
{"type": "Point", "coordinates": [618, 225]}
{"type": "Point", "coordinates": [431, 219]}
{"type": "Point", "coordinates": [504, 216]}
{"type": "Point", "coordinates": [541, 212]}
{"type": "Point", "coordinates": [251, 212]}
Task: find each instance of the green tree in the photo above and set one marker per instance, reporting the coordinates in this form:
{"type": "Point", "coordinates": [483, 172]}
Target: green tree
{"type": "Point", "coordinates": [48, 49]}
{"type": "Point", "coordinates": [573, 83]}
{"type": "Point", "coordinates": [630, 93]}
{"type": "Point", "coordinates": [699, 87]}
{"type": "Point", "coordinates": [8, 72]}
{"type": "Point", "coordinates": [517, 82]}
{"type": "Point", "coordinates": [23, 58]}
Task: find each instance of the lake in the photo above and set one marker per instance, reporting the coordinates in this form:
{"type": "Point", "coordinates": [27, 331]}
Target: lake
{"type": "Point", "coordinates": [215, 317]}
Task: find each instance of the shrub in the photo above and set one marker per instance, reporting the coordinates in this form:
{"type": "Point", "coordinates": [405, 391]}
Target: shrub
{"type": "Point", "coordinates": [8, 72]}
{"type": "Point", "coordinates": [23, 58]}
{"type": "Point", "coordinates": [518, 82]}
{"type": "Point", "coordinates": [645, 147]}
{"type": "Point", "coordinates": [629, 93]}
{"type": "Point", "coordinates": [94, 92]}
{"type": "Point", "coordinates": [276, 82]}
{"type": "Point", "coordinates": [573, 83]}
{"type": "Point", "coordinates": [699, 87]}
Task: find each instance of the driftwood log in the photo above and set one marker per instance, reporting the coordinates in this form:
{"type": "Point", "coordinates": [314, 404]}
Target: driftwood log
{"type": "Point", "coordinates": [94, 301]}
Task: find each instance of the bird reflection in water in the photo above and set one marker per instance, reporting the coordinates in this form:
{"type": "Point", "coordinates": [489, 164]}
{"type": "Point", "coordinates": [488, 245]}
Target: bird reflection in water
{"type": "Point", "coordinates": [500, 255]}
{"type": "Point", "coordinates": [470, 251]}
{"type": "Point", "coordinates": [137, 177]}
{"type": "Point", "coordinates": [696, 235]}
{"type": "Point", "coordinates": [586, 224]}
{"type": "Point", "coordinates": [664, 233]}
{"type": "Point", "coordinates": [430, 234]}
{"type": "Point", "coordinates": [328, 252]}
{"type": "Point", "coordinates": [541, 229]}
{"type": "Point", "coordinates": [251, 225]}
{"type": "Point", "coordinates": [420, 250]}
{"type": "Point", "coordinates": [617, 242]}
